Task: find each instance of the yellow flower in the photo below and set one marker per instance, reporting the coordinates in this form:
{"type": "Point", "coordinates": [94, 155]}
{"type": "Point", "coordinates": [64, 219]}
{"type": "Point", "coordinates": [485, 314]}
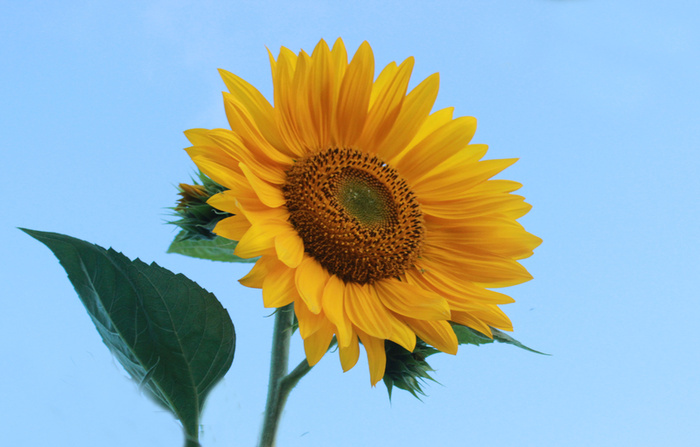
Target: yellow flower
{"type": "Point", "coordinates": [376, 218]}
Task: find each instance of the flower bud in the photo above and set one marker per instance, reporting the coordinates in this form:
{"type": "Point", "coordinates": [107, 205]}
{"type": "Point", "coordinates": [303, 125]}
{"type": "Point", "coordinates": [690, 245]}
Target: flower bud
{"type": "Point", "coordinates": [197, 219]}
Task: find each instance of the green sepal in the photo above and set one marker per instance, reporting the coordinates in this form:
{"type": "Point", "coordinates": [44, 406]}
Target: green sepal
{"type": "Point", "coordinates": [196, 217]}
{"type": "Point", "coordinates": [173, 337]}
{"type": "Point", "coordinates": [408, 370]}
{"type": "Point", "coordinates": [469, 336]}
{"type": "Point", "coordinates": [217, 249]}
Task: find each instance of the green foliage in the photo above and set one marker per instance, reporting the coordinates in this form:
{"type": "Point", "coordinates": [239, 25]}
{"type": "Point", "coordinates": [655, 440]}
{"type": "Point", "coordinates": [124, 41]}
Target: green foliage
{"type": "Point", "coordinates": [217, 249]}
{"type": "Point", "coordinates": [196, 217]}
{"type": "Point", "coordinates": [172, 336]}
{"type": "Point", "coordinates": [467, 335]}
{"type": "Point", "coordinates": [410, 370]}
{"type": "Point", "coordinates": [407, 370]}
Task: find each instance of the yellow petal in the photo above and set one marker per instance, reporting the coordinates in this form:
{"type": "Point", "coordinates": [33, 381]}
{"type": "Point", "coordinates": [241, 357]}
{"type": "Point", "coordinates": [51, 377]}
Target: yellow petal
{"type": "Point", "coordinates": [414, 111]}
{"type": "Point", "coordinates": [510, 205]}
{"type": "Point", "coordinates": [322, 93]}
{"type": "Point", "coordinates": [350, 353]}
{"type": "Point", "coordinates": [340, 60]}
{"type": "Point", "coordinates": [386, 106]}
{"type": "Point", "coordinates": [289, 247]}
{"type": "Point", "coordinates": [436, 147]}
{"type": "Point", "coordinates": [456, 182]}
{"type": "Point", "coordinates": [438, 334]}
{"type": "Point", "coordinates": [409, 300]}
{"type": "Point", "coordinates": [269, 195]}
{"type": "Point", "coordinates": [376, 356]}
{"type": "Point", "coordinates": [489, 270]}
{"type": "Point", "coordinates": [198, 137]}
{"type": "Point", "coordinates": [310, 280]}
{"type": "Point", "coordinates": [283, 73]}
{"type": "Point", "coordinates": [218, 166]}
{"type": "Point", "coordinates": [309, 322]}
{"type": "Point", "coordinates": [452, 284]}
{"type": "Point", "coordinates": [249, 144]}
{"type": "Point", "coordinates": [300, 103]}
{"type": "Point", "coordinates": [366, 311]}
{"type": "Point", "coordinates": [258, 213]}
{"type": "Point", "coordinates": [353, 98]}
{"type": "Point", "coordinates": [402, 335]}
{"type": "Point", "coordinates": [257, 274]}
{"type": "Point", "coordinates": [224, 201]}
{"type": "Point", "coordinates": [257, 241]}
{"type": "Point", "coordinates": [497, 235]}
{"type": "Point", "coordinates": [316, 345]}
{"type": "Point", "coordinates": [232, 228]}
{"type": "Point", "coordinates": [387, 74]}
{"type": "Point", "coordinates": [278, 286]}
{"type": "Point", "coordinates": [333, 297]}
{"type": "Point", "coordinates": [494, 317]}
{"type": "Point", "coordinates": [433, 122]}
{"type": "Point", "coordinates": [466, 319]}
{"type": "Point", "coordinates": [255, 103]}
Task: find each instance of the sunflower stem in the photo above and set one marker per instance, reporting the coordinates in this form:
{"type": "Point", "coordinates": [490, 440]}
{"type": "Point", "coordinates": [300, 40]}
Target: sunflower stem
{"type": "Point", "coordinates": [290, 380]}
{"type": "Point", "coordinates": [279, 362]}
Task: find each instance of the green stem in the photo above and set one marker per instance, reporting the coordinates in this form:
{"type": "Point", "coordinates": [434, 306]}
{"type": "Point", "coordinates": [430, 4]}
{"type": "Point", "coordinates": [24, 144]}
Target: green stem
{"type": "Point", "coordinates": [279, 361]}
{"type": "Point", "coordinates": [281, 383]}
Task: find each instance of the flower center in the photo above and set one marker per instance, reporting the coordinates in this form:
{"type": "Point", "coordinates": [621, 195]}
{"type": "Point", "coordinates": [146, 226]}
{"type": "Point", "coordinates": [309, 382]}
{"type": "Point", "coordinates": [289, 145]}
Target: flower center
{"type": "Point", "coordinates": [356, 216]}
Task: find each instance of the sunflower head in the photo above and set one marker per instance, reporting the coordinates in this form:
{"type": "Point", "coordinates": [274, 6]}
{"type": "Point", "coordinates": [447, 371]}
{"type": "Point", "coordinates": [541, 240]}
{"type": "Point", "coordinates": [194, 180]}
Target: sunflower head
{"type": "Point", "coordinates": [375, 216]}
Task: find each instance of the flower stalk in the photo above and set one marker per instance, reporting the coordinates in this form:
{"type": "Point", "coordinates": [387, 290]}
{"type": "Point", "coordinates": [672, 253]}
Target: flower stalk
{"type": "Point", "coordinates": [279, 361]}
{"type": "Point", "coordinates": [281, 383]}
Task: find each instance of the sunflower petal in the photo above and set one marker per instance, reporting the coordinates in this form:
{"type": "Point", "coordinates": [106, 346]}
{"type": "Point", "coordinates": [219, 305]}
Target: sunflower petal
{"type": "Point", "coordinates": [414, 112]}
{"type": "Point", "coordinates": [257, 274]}
{"type": "Point", "coordinates": [309, 322]}
{"type": "Point", "coordinates": [232, 228]}
{"type": "Point", "coordinates": [316, 345]}
{"type": "Point", "coordinates": [257, 241]}
{"type": "Point", "coordinates": [439, 334]}
{"type": "Point", "coordinates": [353, 98]}
{"type": "Point", "coordinates": [278, 286]}
{"type": "Point", "coordinates": [350, 353]}
{"type": "Point", "coordinates": [366, 311]}
{"type": "Point", "coordinates": [386, 106]}
{"type": "Point", "coordinates": [268, 194]}
{"type": "Point", "coordinates": [412, 301]}
{"type": "Point", "coordinates": [436, 147]}
{"type": "Point", "coordinates": [289, 247]}
{"type": "Point", "coordinates": [376, 356]}
{"type": "Point", "coordinates": [310, 280]}
{"type": "Point", "coordinates": [255, 103]}
{"type": "Point", "coordinates": [333, 308]}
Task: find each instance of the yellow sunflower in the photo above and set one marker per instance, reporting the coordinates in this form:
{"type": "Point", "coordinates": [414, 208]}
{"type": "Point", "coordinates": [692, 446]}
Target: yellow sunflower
{"type": "Point", "coordinates": [375, 217]}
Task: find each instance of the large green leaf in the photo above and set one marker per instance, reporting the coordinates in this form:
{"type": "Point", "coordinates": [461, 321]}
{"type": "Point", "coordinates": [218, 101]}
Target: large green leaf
{"type": "Point", "coordinates": [172, 336]}
{"type": "Point", "coordinates": [467, 335]}
{"type": "Point", "coordinates": [217, 249]}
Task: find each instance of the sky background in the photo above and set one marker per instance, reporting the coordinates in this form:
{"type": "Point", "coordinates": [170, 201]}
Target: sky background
{"type": "Point", "coordinates": [599, 99]}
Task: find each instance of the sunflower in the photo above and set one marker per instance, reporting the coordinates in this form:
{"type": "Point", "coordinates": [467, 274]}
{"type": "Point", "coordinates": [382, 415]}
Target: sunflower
{"type": "Point", "coordinates": [375, 217]}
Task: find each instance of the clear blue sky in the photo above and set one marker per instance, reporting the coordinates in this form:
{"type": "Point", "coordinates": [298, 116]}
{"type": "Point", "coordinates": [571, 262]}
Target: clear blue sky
{"type": "Point", "coordinates": [599, 99]}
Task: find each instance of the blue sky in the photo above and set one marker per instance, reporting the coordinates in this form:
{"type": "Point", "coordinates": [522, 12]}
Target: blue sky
{"type": "Point", "coordinates": [599, 100]}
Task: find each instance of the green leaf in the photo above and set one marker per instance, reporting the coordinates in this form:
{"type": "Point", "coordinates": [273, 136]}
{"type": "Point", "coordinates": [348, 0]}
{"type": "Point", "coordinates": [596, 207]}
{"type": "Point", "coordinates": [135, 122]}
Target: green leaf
{"type": "Point", "coordinates": [217, 249]}
{"type": "Point", "coordinates": [467, 335]}
{"type": "Point", "coordinates": [171, 336]}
